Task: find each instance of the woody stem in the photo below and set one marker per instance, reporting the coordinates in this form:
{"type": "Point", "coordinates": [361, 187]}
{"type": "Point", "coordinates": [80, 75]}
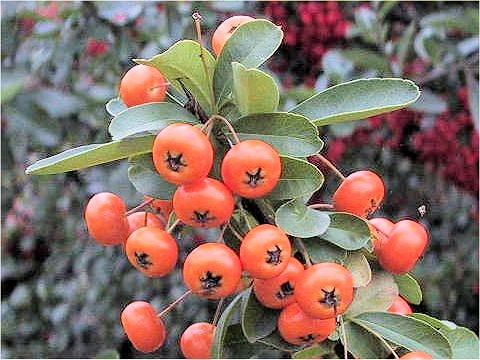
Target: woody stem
{"type": "Point", "coordinates": [139, 207]}
{"type": "Point", "coordinates": [175, 303]}
{"type": "Point", "coordinates": [330, 166]}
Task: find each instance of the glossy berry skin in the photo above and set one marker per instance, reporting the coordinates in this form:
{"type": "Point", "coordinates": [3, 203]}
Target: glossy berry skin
{"type": "Point", "coordinates": [225, 30]}
{"type": "Point", "coordinates": [361, 193]}
{"type": "Point", "coordinates": [182, 153]}
{"type": "Point", "coordinates": [277, 292]}
{"type": "Point", "coordinates": [265, 251]}
{"type": "Point", "coordinates": [142, 84]}
{"type": "Point", "coordinates": [405, 244]}
{"type": "Point", "coordinates": [137, 220]}
{"type": "Point", "coordinates": [144, 329]}
{"type": "Point", "coordinates": [163, 206]}
{"type": "Point", "coordinates": [152, 251]}
{"type": "Point", "coordinates": [380, 228]}
{"type": "Point", "coordinates": [205, 203]}
{"type": "Point", "coordinates": [400, 306]}
{"type": "Point", "coordinates": [417, 355]}
{"type": "Point", "coordinates": [196, 341]}
{"type": "Point", "coordinates": [212, 271]}
{"type": "Point", "coordinates": [297, 327]}
{"type": "Point", "coordinates": [251, 168]}
{"type": "Point", "coordinates": [324, 290]}
{"type": "Point", "coordinates": [106, 220]}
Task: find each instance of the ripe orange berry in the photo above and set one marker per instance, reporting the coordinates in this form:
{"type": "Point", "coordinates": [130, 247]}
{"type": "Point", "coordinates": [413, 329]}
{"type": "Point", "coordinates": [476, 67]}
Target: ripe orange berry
{"type": "Point", "coordinates": [251, 168]}
{"type": "Point", "coordinates": [265, 251]}
{"type": "Point", "coordinates": [137, 220]}
{"type": "Point", "coordinates": [297, 327]}
{"type": "Point", "coordinates": [196, 341]}
{"type": "Point", "coordinates": [324, 290]}
{"type": "Point", "coordinates": [205, 203]}
{"type": "Point", "coordinates": [417, 355]}
{"type": "Point", "coordinates": [212, 271]}
{"type": "Point", "coordinates": [277, 292]}
{"type": "Point", "coordinates": [225, 30]}
{"type": "Point", "coordinates": [380, 228]}
{"type": "Point", "coordinates": [144, 329]}
{"type": "Point", "coordinates": [105, 218]}
{"type": "Point", "coordinates": [361, 193]}
{"type": "Point", "coordinates": [163, 206]}
{"type": "Point", "coordinates": [152, 250]}
{"type": "Point", "coordinates": [406, 234]}
{"type": "Point", "coordinates": [400, 306]}
{"type": "Point", "coordinates": [142, 84]}
{"type": "Point", "coordinates": [182, 153]}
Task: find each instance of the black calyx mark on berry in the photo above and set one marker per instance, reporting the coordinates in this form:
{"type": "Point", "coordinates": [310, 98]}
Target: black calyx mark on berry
{"type": "Point", "coordinates": [307, 338]}
{"type": "Point", "coordinates": [232, 29]}
{"type": "Point", "coordinates": [209, 282]}
{"type": "Point", "coordinates": [143, 260]}
{"type": "Point", "coordinates": [202, 217]}
{"type": "Point", "coordinates": [372, 208]}
{"type": "Point", "coordinates": [254, 179]}
{"type": "Point", "coordinates": [274, 256]}
{"type": "Point", "coordinates": [330, 299]}
{"type": "Point", "coordinates": [286, 289]}
{"type": "Point", "coordinates": [174, 163]}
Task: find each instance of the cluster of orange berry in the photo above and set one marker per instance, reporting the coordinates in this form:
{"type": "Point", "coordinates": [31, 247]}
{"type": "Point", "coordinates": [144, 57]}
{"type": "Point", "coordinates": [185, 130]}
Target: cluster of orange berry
{"type": "Point", "coordinates": [310, 298]}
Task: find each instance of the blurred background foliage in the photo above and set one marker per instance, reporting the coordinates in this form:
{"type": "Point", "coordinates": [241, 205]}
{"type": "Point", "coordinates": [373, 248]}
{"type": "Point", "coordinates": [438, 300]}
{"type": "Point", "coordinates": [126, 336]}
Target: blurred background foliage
{"type": "Point", "coordinates": [61, 61]}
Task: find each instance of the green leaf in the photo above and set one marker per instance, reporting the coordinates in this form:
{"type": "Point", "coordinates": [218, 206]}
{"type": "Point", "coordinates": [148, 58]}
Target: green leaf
{"type": "Point", "coordinates": [222, 326]}
{"type": "Point", "coordinates": [464, 342]}
{"type": "Point", "coordinates": [408, 288]}
{"type": "Point", "coordinates": [472, 87]}
{"type": "Point", "coordinates": [108, 354]}
{"type": "Point", "coordinates": [146, 180]}
{"type": "Point", "coordinates": [367, 59]}
{"type": "Point", "coordinates": [348, 231]}
{"type": "Point", "coordinates": [404, 44]}
{"type": "Point", "coordinates": [323, 251]}
{"type": "Point", "coordinates": [358, 99]}
{"type": "Point", "coordinates": [336, 66]}
{"type": "Point", "coordinates": [275, 340]}
{"type": "Point", "coordinates": [148, 118]}
{"type": "Point", "coordinates": [429, 103]}
{"type": "Point", "coordinates": [325, 349]}
{"type": "Point", "coordinates": [183, 61]}
{"type": "Point", "coordinates": [298, 178]}
{"type": "Point", "coordinates": [467, 21]}
{"type": "Point", "coordinates": [115, 106]}
{"type": "Point", "coordinates": [292, 135]}
{"type": "Point", "coordinates": [358, 265]}
{"type": "Point", "coordinates": [236, 345]}
{"type": "Point", "coordinates": [378, 295]}
{"type": "Point", "coordinates": [257, 321]}
{"type": "Point", "coordinates": [251, 45]}
{"type": "Point", "coordinates": [413, 334]}
{"type": "Point", "coordinates": [363, 344]}
{"type": "Point", "coordinates": [299, 220]}
{"type": "Point", "coordinates": [12, 84]}
{"type": "Point", "coordinates": [254, 91]}
{"type": "Point", "coordinates": [90, 155]}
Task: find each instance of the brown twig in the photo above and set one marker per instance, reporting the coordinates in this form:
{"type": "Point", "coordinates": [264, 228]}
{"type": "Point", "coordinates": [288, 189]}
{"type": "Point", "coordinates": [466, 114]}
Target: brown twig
{"type": "Point", "coordinates": [175, 303]}
{"type": "Point", "coordinates": [139, 207]}
{"type": "Point", "coordinates": [321, 206]}
{"type": "Point", "coordinates": [331, 166]}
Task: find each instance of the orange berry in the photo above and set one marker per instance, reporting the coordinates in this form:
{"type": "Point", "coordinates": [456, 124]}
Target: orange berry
{"type": "Point", "coordinates": [142, 84]}
{"type": "Point", "coordinates": [196, 341]}
{"type": "Point", "coordinates": [225, 30]}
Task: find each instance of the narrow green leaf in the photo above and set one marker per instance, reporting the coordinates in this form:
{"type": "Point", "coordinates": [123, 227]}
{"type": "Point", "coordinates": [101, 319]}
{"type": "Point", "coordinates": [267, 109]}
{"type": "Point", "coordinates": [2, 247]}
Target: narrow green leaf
{"type": "Point", "coordinates": [413, 334]}
{"type": "Point", "coordinates": [457, 18]}
{"type": "Point", "coordinates": [222, 326]}
{"type": "Point", "coordinates": [378, 295]}
{"type": "Point", "coordinates": [183, 61]}
{"type": "Point", "coordinates": [297, 219]}
{"type": "Point", "coordinates": [404, 44]}
{"type": "Point", "coordinates": [348, 231]}
{"type": "Point", "coordinates": [90, 155]}
{"type": "Point", "coordinates": [323, 251]}
{"type": "Point", "coordinates": [299, 178]}
{"type": "Point", "coordinates": [251, 45]}
{"type": "Point", "coordinates": [108, 354]}
{"type": "Point", "coordinates": [146, 180]}
{"type": "Point", "coordinates": [363, 344]}
{"type": "Point", "coordinates": [292, 135]}
{"type": "Point", "coordinates": [115, 106]}
{"type": "Point", "coordinates": [257, 321]}
{"type": "Point", "coordinates": [148, 118]}
{"type": "Point", "coordinates": [409, 289]}
{"type": "Point", "coordinates": [275, 340]}
{"type": "Point", "coordinates": [358, 99]}
{"type": "Point", "coordinates": [367, 59]}
{"type": "Point", "coordinates": [472, 87]}
{"type": "Point", "coordinates": [358, 265]}
{"type": "Point", "coordinates": [325, 349]}
{"type": "Point", "coordinates": [254, 91]}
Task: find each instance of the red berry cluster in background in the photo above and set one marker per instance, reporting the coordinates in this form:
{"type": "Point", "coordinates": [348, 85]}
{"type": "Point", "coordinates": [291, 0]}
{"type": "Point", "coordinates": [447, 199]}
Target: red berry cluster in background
{"type": "Point", "coordinates": [310, 30]}
{"type": "Point", "coordinates": [96, 47]}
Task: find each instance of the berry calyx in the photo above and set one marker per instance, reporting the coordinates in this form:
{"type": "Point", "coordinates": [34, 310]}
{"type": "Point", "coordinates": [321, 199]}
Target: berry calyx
{"type": "Point", "coordinates": [182, 153]}
{"type": "Point", "coordinates": [196, 341]}
{"type": "Point", "coordinates": [164, 207]}
{"type": "Point", "coordinates": [106, 220]}
{"type": "Point", "coordinates": [361, 193]}
{"type": "Point", "coordinates": [142, 84]}
{"type": "Point", "coordinates": [225, 30]}
{"type": "Point", "coordinates": [144, 329]}
{"type": "Point", "coordinates": [251, 168]}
